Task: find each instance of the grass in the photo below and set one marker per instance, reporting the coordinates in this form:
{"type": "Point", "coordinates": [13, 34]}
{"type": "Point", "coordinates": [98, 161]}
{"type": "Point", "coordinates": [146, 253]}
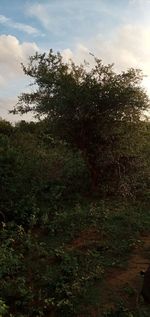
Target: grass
{"type": "Point", "coordinates": [63, 268]}
{"type": "Point", "coordinates": [89, 233]}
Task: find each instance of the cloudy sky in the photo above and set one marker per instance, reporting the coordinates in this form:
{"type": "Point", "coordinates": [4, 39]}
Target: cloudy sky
{"type": "Point", "coordinates": [114, 30]}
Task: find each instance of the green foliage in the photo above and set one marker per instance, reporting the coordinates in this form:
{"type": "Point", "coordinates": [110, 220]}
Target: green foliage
{"type": "Point", "coordinates": [55, 271]}
{"type": "Point", "coordinates": [3, 308]}
{"type": "Point", "coordinates": [59, 277]}
{"type": "Point", "coordinates": [58, 239]}
{"type": "Point", "coordinates": [36, 179]}
{"type": "Point", "coordinates": [124, 312]}
{"type": "Point", "coordinates": [5, 127]}
{"type": "Point", "coordinates": [94, 109]}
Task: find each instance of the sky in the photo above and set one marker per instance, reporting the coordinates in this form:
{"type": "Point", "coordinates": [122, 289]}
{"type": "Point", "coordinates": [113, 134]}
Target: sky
{"type": "Point", "coordinates": [116, 31]}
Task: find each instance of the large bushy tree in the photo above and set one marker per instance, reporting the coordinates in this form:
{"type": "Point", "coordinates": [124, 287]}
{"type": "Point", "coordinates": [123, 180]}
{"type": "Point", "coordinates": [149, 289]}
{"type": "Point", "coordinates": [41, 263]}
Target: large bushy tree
{"type": "Point", "coordinates": [94, 109]}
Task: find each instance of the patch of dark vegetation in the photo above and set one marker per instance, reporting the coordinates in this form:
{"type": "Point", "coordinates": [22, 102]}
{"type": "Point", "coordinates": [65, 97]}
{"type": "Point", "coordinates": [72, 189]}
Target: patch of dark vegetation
{"type": "Point", "coordinates": [74, 201]}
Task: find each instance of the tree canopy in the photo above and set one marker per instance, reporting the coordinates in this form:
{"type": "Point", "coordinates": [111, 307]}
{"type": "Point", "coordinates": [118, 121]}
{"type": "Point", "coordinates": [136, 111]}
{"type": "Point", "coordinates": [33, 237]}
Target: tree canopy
{"type": "Point", "coordinates": [95, 109]}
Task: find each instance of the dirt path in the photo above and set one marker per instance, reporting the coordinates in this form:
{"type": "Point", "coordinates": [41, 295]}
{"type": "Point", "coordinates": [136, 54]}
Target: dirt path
{"type": "Point", "coordinates": [137, 262]}
{"type": "Point", "coordinates": [125, 285]}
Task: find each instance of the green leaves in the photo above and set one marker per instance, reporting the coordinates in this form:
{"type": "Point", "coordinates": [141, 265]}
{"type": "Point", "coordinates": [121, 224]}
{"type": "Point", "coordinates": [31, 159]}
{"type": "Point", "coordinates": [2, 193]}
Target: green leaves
{"type": "Point", "coordinates": [3, 308]}
{"type": "Point", "coordinates": [95, 110]}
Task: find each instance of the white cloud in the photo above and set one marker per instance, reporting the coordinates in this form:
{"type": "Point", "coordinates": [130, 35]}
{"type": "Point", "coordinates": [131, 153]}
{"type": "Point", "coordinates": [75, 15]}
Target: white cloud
{"type": "Point", "coordinates": [8, 103]}
{"type": "Point", "coordinates": [12, 78]}
{"type": "Point", "coordinates": [140, 2]}
{"type": "Point", "coordinates": [65, 17]}
{"type": "Point", "coordinates": [52, 17]}
{"type": "Point", "coordinates": [5, 105]}
{"type": "Point", "coordinates": [19, 26]}
{"type": "Point", "coordinates": [129, 47]}
{"type": "Point", "coordinates": [12, 53]}
{"type": "Point", "coordinates": [67, 54]}
{"type": "Point", "coordinates": [40, 11]}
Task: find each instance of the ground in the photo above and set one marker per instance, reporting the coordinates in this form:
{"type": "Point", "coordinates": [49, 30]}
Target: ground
{"type": "Point", "coordinates": [123, 285]}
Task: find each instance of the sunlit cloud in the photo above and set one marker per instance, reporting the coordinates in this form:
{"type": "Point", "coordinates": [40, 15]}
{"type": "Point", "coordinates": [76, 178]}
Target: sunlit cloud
{"type": "Point", "coordinates": [12, 54]}
{"type": "Point", "coordinates": [129, 47]}
{"type": "Point", "coordinates": [12, 78]}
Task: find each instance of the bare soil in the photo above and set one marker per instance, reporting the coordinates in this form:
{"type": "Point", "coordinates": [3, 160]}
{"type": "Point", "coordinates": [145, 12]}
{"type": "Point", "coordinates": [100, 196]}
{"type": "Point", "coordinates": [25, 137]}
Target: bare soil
{"type": "Point", "coordinates": [125, 285]}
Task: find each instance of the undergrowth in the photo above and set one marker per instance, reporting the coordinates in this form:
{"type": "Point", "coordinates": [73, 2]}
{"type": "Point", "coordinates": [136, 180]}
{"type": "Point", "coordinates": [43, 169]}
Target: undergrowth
{"type": "Point", "coordinates": [54, 269]}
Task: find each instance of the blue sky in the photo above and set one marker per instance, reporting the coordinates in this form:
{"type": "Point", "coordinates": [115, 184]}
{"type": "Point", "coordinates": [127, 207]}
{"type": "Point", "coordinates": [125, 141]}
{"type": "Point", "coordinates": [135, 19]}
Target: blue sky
{"type": "Point", "coordinates": [60, 21]}
{"type": "Point", "coordinates": [115, 30]}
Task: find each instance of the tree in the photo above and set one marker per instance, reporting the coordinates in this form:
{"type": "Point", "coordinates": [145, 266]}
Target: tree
{"type": "Point", "coordinates": [94, 109]}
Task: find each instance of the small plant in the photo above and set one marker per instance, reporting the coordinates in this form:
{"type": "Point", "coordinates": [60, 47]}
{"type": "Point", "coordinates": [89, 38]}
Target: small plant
{"type": "Point", "coordinates": [3, 308]}
{"type": "Point", "coordinates": [129, 290]}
